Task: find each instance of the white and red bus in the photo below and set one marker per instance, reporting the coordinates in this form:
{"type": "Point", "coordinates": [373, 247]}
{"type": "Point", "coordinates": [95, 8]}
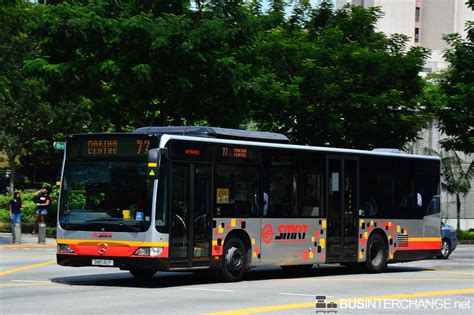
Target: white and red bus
{"type": "Point", "coordinates": [193, 198]}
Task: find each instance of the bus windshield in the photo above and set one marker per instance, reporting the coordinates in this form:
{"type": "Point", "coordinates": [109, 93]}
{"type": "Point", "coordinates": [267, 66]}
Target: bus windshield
{"type": "Point", "coordinates": [106, 196]}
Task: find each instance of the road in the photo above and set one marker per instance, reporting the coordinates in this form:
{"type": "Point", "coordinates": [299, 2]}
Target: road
{"type": "Point", "coordinates": [31, 283]}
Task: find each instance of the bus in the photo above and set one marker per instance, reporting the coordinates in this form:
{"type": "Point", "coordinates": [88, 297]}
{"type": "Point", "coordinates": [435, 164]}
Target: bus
{"type": "Point", "coordinates": [198, 198]}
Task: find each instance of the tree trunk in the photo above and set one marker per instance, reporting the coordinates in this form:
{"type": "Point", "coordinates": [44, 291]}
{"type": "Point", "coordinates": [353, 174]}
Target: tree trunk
{"type": "Point", "coordinates": [12, 166]}
{"type": "Point", "coordinates": [458, 212]}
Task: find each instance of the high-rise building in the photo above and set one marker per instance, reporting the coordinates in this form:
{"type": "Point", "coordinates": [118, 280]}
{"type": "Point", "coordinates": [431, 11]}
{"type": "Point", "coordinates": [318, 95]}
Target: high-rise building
{"type": "Point", "coordinates": [425, 22]}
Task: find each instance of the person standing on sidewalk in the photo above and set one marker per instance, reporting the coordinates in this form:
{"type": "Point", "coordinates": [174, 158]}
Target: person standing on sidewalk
{"type": "Point", "coordinates": [42, 201]}
{"type": "Point", "coordinates": [14, 207]}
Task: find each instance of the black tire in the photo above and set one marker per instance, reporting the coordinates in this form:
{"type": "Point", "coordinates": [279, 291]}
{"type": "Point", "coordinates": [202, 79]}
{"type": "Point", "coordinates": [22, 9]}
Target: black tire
{"type": "Point", "coordinates": [296, 269]}
{"type": "Point", "coordinates": [142, 273]}
{"type": "Point", "coordinates": [445, 249]}
{"type": "Point", "coordinates": [234, 260]}
{"type": "Point", "coordinates": [376, 256]}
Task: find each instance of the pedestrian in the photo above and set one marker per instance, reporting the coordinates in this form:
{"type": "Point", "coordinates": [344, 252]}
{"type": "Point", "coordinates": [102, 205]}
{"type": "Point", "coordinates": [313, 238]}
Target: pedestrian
{"type": "Point", "coordinates": [43, 202]}
{"type": "Point", "coordinates": [14, 207]}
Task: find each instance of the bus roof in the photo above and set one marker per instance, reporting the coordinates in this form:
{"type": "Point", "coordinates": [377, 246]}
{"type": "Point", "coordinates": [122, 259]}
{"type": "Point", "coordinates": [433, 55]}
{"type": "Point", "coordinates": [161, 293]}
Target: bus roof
{"type": "Point", "coordinates": [216, 132]}
{"type": "Point", "coordinates": [166, 137]}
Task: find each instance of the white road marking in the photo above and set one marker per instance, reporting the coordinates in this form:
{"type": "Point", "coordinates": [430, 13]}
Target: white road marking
{"type": "Point", "coordinates": [203, 289]}
{"type": "Point", "coordinates": [39, 281]}
{"type": "Point", "coordinates": [298, 294]}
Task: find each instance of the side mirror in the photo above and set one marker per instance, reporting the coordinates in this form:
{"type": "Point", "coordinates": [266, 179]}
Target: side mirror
{"type": "Point", "coordinates": [154, 160]}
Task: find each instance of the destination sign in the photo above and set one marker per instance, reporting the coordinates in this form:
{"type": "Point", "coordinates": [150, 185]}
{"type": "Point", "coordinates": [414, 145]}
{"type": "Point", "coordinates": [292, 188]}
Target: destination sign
{"type": "Point", "coordinates": [234, 152]}
{"type": "Point", "coordinates": [109, 146]}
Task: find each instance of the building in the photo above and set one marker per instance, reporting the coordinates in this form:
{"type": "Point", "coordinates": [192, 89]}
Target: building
{"type": "Point", "coordinates": [425, 22]}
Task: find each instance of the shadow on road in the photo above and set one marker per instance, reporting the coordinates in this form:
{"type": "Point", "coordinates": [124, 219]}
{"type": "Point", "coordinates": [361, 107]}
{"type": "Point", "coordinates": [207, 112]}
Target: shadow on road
{"type": "Point", "coordinates": [173, 279]}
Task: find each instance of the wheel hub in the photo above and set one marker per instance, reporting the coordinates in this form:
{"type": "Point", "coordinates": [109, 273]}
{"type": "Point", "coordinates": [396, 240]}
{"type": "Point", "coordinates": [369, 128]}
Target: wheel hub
{"type": "Point", "coordinates": [234, 259]}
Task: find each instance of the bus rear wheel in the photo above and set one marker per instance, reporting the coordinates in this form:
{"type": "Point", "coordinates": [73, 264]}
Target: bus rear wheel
{"type": "Point", "coordinates": [376, 260]}
{"type": "Point", "coordinates": [234, 260]}
{"type": "Point", "coordinates": [142, 273]}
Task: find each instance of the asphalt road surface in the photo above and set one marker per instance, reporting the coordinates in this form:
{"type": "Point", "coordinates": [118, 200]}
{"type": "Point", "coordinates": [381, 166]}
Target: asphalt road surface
{"type": "Point", "coordinates": [32, 283]}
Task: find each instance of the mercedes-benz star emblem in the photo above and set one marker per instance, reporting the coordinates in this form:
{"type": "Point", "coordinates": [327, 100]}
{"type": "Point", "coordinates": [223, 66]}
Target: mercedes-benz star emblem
{"type": "Point", "coordinates": [102, 249]}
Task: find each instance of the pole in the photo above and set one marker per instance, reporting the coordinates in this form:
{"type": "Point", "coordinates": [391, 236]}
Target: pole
{"type": "Point", "coordinates": [41, 233]}
{"type": "Point", "coordinates": [16, 233]}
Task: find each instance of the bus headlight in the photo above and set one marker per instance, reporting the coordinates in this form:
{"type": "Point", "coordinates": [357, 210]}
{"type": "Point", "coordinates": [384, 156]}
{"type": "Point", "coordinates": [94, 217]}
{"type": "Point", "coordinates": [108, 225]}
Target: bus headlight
{"type": "Point", "coordinates": [64, 248]}
{"type": "Point", "coordinates": [149, 251]}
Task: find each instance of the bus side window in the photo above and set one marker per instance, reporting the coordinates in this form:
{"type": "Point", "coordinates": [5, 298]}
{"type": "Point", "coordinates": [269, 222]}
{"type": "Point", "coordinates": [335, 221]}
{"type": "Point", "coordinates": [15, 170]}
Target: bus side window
{"type": "Point", "coordinates": [427, 188]}
{"type": "Point", "coordinates": [310, 194]}
{"type": "Point", "coordinates": [236, 191]}
{"type": "Point", "coordinates": [281, 192]}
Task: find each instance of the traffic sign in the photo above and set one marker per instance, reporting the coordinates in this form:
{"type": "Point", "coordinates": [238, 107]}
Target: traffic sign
{"type": "Point", "coordinates": [59, 145]}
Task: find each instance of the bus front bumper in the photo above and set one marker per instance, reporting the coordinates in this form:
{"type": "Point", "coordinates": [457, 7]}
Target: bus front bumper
{"type": "Point", "coordinates": [124, 263]}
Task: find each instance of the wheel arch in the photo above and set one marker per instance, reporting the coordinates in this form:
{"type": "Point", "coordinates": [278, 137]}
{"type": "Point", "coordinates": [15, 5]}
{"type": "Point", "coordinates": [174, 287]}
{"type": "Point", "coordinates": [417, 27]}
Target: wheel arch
{"type": "Point", "coordinates": [383, 235]}
{"type": "Point", "coordinates": [245, 238]}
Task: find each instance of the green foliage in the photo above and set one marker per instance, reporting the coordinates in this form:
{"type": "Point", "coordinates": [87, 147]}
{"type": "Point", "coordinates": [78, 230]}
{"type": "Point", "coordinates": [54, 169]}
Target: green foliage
{"type": "Point", "coordinates": [457, 117]}
{"type": "Point", "coordinates": [321, 76]}
{"type": "Point", "coordinates": [337, 81]}
{"type": "Point", "coordinates": [29, 119]}
{"type": "Point", "coordinates": [464, 235]}
{"type": "Point", "coordinates": [27, 214]}
{"type": "Point", "coordinates": [51, 232]}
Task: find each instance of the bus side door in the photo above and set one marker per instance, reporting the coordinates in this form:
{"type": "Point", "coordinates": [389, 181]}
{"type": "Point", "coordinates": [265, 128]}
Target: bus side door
{"type": "Point", "coordinates": [342, 201]}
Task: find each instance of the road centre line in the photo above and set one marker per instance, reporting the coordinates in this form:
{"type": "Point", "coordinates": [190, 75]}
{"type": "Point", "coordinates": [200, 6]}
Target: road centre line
{"type": "Point", "coordinates": [204, 289]}
{"type": "Point", "coordinates": [284, 307]}
{"type": "Point", "coordinates": [450, 272]}
{"type": "Point", "coordinates": [27, 246]}
{"type": "Point", "coordinates": [25, 284]}
{"type": "Point", "coordinates": [2, 273]}
{"type": "Point", "coordinates": [31, 256]}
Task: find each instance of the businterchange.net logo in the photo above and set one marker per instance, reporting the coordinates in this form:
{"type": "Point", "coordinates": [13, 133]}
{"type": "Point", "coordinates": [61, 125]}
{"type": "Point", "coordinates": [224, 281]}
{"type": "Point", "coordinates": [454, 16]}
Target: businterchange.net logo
{"type": "Point", "coordinates": [324, 305]}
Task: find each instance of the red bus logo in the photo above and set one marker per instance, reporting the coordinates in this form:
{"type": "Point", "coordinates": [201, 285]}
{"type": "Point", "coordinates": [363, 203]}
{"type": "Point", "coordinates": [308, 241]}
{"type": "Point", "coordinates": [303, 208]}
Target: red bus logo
{"type": "Point", "coordinates": [291, 233]}
{"type": "Point", "coordinates": [267, 233]}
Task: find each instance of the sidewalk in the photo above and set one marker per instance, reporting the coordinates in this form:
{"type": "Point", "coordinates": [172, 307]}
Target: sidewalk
{"type": "Point", "coordinates": [26, 241]}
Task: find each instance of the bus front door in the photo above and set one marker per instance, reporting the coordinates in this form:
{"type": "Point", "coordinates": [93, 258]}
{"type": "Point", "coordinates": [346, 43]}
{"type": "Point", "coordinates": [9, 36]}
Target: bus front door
{"type": "Point", "coordinates": [342, 205]}
{"type": "Point", "coordinates": [190, 232]}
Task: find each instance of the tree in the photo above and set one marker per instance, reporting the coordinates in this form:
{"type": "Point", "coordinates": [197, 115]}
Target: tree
{"type": "Point", "coordinates": [23, 112]}
{"type": "Point", "coordinates": [139, 67]}
{"type": "Point", "coordinates": [457, 118]}
{"type": "Point", "coordinates": [29, 121]}
{"type": "Point", "coordinates": [337, 81]}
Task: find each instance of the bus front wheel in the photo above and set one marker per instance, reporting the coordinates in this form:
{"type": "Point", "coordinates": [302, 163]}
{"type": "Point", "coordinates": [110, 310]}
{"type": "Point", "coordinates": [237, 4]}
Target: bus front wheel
{"type": "Point", "coordinates": [376, 260]}
{"type": "Point", "coordinates": [142, 273]}
{"type": "Point", "coordinates": [234, 260]}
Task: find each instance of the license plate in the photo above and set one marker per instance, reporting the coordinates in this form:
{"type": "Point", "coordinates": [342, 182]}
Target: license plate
{"type": "Point", "coordinates": [102, 262]}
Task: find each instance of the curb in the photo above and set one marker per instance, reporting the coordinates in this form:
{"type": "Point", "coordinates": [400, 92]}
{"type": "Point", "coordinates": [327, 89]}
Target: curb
{"type": "Point", "coordinates": [27, 246]}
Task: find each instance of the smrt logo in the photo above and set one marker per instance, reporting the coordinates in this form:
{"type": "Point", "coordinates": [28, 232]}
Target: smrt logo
{"type": "Point", "coordinates": [291, 233]}
{"type": "Point", "coordinates": [102, 235]}
{"type": "Point", "coordinates": [267, 233]}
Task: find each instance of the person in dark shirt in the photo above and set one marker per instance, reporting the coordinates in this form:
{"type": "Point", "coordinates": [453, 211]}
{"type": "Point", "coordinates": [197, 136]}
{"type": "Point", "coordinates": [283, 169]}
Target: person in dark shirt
{"type": "Point", "coordinates": [14, 207]}
{"type": "Point", "coordinates": [43, 202]}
